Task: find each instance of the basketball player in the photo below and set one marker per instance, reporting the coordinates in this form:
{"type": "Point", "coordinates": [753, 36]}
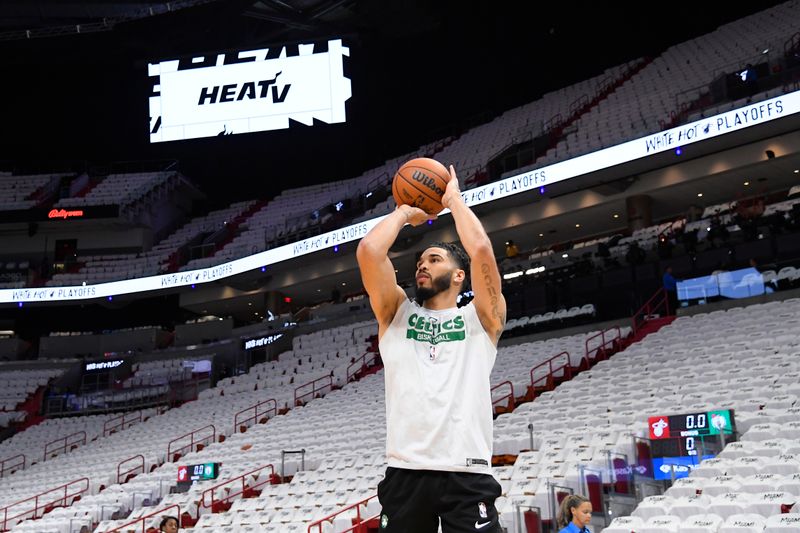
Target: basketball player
{"type": "Point", "coordinates": [437, 359]}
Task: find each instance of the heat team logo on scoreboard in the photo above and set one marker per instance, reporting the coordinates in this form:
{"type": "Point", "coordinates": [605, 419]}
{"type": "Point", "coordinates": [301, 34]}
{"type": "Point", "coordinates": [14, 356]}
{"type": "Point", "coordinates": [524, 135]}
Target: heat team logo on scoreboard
{"type": "Point", "coordinates": [659, 427]}
{"type": "Point", "coordinates": [248, 91]}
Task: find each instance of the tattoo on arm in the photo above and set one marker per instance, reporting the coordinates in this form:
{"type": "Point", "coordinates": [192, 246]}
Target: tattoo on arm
{"type": "Point", "coordinates": [494, 299]}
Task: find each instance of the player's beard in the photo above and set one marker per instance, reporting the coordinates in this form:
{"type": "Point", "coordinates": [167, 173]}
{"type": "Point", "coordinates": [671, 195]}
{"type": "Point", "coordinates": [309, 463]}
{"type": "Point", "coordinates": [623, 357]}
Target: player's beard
{"type": "Point", "coordinates": [440, 284]}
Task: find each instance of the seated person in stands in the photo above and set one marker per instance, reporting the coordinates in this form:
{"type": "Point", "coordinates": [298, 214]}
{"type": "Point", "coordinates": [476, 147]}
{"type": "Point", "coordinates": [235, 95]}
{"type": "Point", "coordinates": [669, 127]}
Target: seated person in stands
{"type": "Point", "coordinates": [635, 255]}
{"type": "Point", "coordinates": [717, 232]}
{"type": "Point", "coordinates": [169, 524]}
{"type": "Point", "coordinates": [665, 247]}
{"type": "Point", "coordinates": [574, 514]}
{"type": "Point", "coordinates": [511, 249]}
{"type": "Point", "coordinates": [687, 239]}
{"type": "Point", "coordinates": [747, 215]}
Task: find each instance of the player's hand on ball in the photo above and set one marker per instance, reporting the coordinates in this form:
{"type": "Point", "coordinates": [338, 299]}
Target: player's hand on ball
{"type": "Point", "coordinates": [414, 215]}
{"type": "Point", "coordinates": [451, 192]}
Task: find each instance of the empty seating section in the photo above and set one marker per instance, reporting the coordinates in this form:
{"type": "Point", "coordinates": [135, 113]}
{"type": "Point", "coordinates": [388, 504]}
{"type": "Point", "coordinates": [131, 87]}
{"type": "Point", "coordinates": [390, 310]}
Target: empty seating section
{"type": "Point", "coordinates": [104, 458]}
{"type": "Point", "coordinates": [111, 267]}
{"type": "Point", "coordinates": [317, 360]}
{"type": "Point", "coordinates": [208, 224]}
{"type": "Point", "coordinates": [475, 147]}
{"type": "Point", "coordinates": [742, 359]}
{"type": "Point", "coordinates": [343, 435]}
{"type": "Point", "coordinates": [560, 317]}
{"type": "Point", "coordinates": [33, 441]}
{"type": "Point", "coordinates": [646, 238]}
{"type": "Point", "coordinates": [291, 211]}
{"type": "Point", "coordinates": [644, 104]}
{"type": "Point", "coordinates": [16, 192]}
{"type": "Point", "coordinates": [119, 189]}
{"type": "Point", "coordinates": [745, 359]}
{"type": "Point", "coordinates": [525, 365]}
{"type": "Point", "coordinates": [160, 372]}
{"type": "Point", "coordinates": [16, 387]}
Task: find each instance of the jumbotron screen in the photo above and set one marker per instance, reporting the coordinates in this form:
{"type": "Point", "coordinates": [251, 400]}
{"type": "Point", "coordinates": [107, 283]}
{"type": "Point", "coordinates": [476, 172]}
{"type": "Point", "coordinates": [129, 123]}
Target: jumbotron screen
{"type": "Point", "coordinates": [248, 91]}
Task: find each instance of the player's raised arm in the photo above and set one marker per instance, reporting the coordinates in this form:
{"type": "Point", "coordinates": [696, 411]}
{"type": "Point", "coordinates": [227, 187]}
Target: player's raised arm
{"type": "Point", "coordinates": [377, 272]}
{"type": "Point", "coordinates": [489, 301]}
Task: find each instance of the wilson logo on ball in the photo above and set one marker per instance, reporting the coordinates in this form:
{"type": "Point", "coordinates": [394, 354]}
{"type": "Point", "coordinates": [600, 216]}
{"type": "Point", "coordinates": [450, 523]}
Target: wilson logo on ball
{"type": "Point", "coordinates": [427, 181]}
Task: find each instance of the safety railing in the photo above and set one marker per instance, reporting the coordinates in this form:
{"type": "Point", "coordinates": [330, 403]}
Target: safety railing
{"type": "Point", "coordinates": [657, 304]}
{"type": "Point", "coordinates": [553, 122]}
{"type": "Point", "coordinates": [42, 503]}
{"type": "Point", "coordinates": [194, 438]}
{"type": "Point", "coordinates": [317, 386]}
{"type": "Point", "coordinates": [359, 365]}
{"type": "Point", "coordinates": [6, 465]}
{"type": "Point", "coordinates": [576, 105]}
{"type": "Point", "coordinates": [126, 528]}
{"type": "Point", "coordinates": [555, 367]}
{"type": "Point", "coordinates": [256, 413]}
{"type": "Point", "coordinates": [508, 398]}
{"type": "Point", "coordinates": [359, 522]}
{"type": "Point", "coordinates": [118, 423]}
{"type": "Point", "coordinates": [363, 333]}
{"type": "Point", "coordinates": [607, 342]}
{"type": "Point", "coordinates": [64, 443]}
{"type": "Point", "coordinates": [122, 477]}
{"type": "Point", "coordinates": [208, 499]}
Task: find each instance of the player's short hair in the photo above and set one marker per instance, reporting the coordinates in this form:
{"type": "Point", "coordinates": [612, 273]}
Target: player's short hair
{"type": "Point", "coordinates": [459, 256]}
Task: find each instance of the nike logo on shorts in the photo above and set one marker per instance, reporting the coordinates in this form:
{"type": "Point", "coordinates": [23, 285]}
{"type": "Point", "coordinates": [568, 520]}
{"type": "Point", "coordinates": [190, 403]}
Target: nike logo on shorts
{"type": "Point", "coordinates": [479, 525]}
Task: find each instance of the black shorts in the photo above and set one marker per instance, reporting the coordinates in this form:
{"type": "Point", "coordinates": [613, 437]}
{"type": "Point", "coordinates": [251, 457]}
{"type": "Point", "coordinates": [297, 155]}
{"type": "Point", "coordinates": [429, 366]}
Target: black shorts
{"type": "Point", "coordinates": [413, 501]}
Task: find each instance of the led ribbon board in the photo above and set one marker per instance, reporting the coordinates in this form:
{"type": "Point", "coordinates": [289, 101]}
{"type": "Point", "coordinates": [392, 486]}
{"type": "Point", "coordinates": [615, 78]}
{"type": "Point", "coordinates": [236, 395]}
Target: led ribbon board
{"type": "Point", "coordinates": [247, 91]}
{"type": "Point", "coordinates": [701, 130]}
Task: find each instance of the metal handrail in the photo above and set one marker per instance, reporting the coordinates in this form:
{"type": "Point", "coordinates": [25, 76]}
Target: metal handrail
{"type": "Point", "coordinates": [359, 522]}
{"type": "Point", "coordinates": [232, 495]}
{"type": "Point", "coordinates": [109, 430]}
{"type": "Point", "coordinates": [284, 453]}
{"type": "Point", "coordinates": [120, 478]}
{"type": "Point", "coordinates": [550, 376]}
{"type": "Point", "coordinates": [658, 300]}
{"type": "Point", "coordinates": [314, 389]}
{"type": "Point", "coordinates": [361, 361]}
{"type": "Point", "coordinates": [46, 506]}
{"type": "Point", "coordinates": [66, 444]}
{"type": "Point", "coordinates": [142, 519]}
{"type": "Point", "coordinates": [193, 442]}
{"type": "Point", "coordinates": [603, 343]}
{"type": "Point", "coordinates": [509, 396]}
{"type": "Point", "coordinates": [4, 461]}
{"type": "Point", "coordinates": [256, 414]}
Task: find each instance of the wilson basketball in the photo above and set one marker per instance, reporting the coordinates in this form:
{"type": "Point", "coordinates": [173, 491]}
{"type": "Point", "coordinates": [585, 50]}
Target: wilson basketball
{"type": "Point", "coordinates": [420, 183]}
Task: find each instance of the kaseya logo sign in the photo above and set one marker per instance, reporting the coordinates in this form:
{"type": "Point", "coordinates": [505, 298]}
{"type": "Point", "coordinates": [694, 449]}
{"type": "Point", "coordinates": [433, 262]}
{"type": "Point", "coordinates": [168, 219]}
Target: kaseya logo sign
{"type": "Point", "coordinates": [247, 91]}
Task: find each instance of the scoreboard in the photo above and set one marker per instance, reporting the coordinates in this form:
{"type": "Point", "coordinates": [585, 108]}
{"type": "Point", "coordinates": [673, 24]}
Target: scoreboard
{"type": "Point", "coordinates": [201, 472]}
{"type": "Point", "coordinates": [676, 441]}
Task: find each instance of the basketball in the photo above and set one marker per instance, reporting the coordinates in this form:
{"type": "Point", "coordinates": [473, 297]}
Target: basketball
{"type": "Point", "coordinates": [420, 183]}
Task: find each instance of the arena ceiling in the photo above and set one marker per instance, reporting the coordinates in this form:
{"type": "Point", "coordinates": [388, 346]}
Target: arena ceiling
{"type": "Point", "coordinates": [420, 70]}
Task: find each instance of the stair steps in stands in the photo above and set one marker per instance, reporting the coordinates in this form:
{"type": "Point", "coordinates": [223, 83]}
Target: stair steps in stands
{"type": "Point", "coordinates": [650, 326]}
